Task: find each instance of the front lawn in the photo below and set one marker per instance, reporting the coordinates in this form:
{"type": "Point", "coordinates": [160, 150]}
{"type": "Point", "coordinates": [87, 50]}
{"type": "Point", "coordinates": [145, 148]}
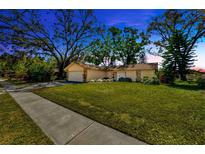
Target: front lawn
{"type": "Point", "coordinates": [16, 127]}
{"type": "Point", "coordinates": [154, 114]}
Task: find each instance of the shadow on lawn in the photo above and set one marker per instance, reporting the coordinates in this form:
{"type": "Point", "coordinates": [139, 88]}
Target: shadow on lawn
{"type": "Point", "coordinates": [186, 86]}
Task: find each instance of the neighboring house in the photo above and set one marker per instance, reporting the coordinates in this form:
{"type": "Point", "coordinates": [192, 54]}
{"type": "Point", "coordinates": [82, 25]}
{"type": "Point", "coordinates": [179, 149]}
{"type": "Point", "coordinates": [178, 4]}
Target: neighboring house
{"type": "Point", "coordinates": [80, 72]}
{"type": "Point", "coordinates": [199, 72]}
{"type": "Point", "coordinates": [202, 73]}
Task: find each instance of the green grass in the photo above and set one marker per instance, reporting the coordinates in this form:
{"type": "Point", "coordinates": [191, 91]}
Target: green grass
{"type": "Point", "coordinates": [15, 125]}
{"type": "Point", "coordinates": [186, 85]}
{"type": "Point", "coordinates": [154, 114]}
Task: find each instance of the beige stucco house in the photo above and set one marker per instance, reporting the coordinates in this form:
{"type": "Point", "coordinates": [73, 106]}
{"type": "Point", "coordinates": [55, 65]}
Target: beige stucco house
{"type": "Point", "coordinates": [79, 72]}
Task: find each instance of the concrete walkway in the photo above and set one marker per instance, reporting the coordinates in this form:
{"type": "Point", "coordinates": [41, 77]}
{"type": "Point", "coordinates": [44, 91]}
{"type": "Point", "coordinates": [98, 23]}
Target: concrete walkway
{"type": "Point", "coordinates": [64, 126]}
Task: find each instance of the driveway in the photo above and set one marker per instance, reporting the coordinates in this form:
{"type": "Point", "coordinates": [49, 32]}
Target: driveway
{"type": "Point", "coordinates": [31, 86]}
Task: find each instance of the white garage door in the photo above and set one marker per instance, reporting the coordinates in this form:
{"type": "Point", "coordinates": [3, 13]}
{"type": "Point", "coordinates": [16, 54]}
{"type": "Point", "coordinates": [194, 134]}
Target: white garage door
{"type": "Point", "coordinates": [76, 76]}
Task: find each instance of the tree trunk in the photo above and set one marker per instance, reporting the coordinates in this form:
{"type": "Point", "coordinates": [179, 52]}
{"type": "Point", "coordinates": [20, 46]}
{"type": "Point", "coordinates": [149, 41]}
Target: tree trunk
{"type": "Point", "coordinates": [183, 76]}
{"type": "Point", "coordinates": [182, 70]}
{"type": "Point", "coordinates": [61, 73]}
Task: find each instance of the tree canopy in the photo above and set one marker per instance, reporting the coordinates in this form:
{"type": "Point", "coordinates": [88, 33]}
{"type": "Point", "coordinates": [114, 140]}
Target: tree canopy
{"type": "Point", "coordinates": [75, 35]}
{"type": "Point", "coordinates": [65, 38]}
{"type": "Point", "coordinates": [179, 32]}
{"type": "Point", "coordinates": [126, 46]}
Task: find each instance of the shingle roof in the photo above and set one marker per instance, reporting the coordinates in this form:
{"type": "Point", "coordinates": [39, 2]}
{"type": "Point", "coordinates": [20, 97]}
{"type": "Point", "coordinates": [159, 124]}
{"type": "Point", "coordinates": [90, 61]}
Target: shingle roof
{"type": "Point", "coordinates": [91, 66]}
{"type": "Point", "coordinates": [147, 66]}
{"type": "Point", "coordinates": [200, 70]}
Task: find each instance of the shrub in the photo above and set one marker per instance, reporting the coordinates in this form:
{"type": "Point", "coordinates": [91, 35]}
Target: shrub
{"type": "Point", "coordinates": [201, 83]}
{"type": "Point", "coordinates": [99, 80]}
{"type": "Point", "coordinates": [122, 79]}
{"type": "Point", "coordinates": [145, 79]}
{"type": "Point", "coordinates": [110, 80]}
{"type": "Point", "coordinates": [92, 80]}
{"type": "Point", "coordinates": [40, 70]}
{"type": "Point", "coordinates": [53, 77]}
{"type": "Point", "coordinates": [192, 78]}
{"type": "Point", "coordinates": [167, 79]}
{"type": "Point", "coordinates": [148, 82]}
{"type": "Point", "coordinates": [20, 69]}
{"type": "Point", "coordinates": [105, 78]}
{"type": "Point", "coordinates": [153, 81]}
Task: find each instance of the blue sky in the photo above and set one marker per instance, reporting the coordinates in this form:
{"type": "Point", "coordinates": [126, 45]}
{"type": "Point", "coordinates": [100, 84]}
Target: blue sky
{"type": "Point", "coordinates": [134, 18]}
{"type": "Point", "coordinates": [120, 18]}
{"type": "Point", "coordinates": [140, 19]}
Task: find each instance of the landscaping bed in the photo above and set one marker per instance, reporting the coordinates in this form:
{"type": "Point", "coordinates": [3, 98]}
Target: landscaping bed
{"type": "Point", "coordinates": [156, 114]}
{"type": "Point", "coordinates": [15, 125]}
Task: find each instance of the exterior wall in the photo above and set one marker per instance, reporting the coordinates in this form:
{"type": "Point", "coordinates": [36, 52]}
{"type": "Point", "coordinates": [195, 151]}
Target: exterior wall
{"type": "Point", "coordinates": [148, 73]}
{"type": "Point", "coordinates": [128, 74]}
{"type": "Point", "coordinates": [95, 74]}
{"type": "Point", "coordinates": [121, 74]}
{"type": "Point", "coordinates": [138, 76]}
{"type": "Point", "coordinates": [110, 74]}
{"type": "Point", "coordinates": [131, 74]}
{"type": "Point", "coordinates": [89, 74]}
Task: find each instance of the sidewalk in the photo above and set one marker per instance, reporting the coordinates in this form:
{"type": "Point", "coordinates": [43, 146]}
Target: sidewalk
{"type": "Point", "coordinates": [64, 126]}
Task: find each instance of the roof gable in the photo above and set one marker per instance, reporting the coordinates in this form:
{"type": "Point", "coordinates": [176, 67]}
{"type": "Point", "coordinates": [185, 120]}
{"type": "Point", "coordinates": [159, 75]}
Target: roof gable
{"type": "Point", "coordinates": [70, 65]}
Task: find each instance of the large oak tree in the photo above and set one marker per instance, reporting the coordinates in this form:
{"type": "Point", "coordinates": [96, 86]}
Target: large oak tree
{"type": "Point", "coordinates": [115, 45]}
{"type": "Point", "coordinates": [64, 36]}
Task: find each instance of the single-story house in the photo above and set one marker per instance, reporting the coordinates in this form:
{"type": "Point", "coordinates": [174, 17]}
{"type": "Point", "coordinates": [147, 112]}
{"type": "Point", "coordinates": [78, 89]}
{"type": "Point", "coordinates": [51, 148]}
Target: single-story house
{"type": "Point", "coordinates": [79, 72]}
{"type": "Point", "coordinates": [196, 73]}
{"type": "Point", "coordinates": [202, 73]}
